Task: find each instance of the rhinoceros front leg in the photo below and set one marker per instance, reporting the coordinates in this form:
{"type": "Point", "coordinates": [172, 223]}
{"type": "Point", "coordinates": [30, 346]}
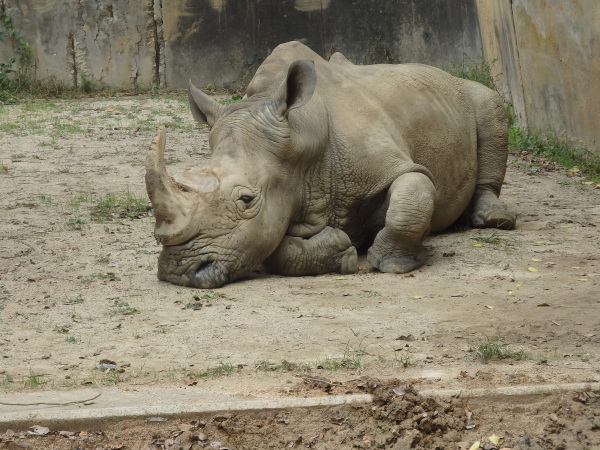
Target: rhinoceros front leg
{"type": "Point", "coordinates": [327, 251]}
{"type": "Point", "coordinates": [397, 248]}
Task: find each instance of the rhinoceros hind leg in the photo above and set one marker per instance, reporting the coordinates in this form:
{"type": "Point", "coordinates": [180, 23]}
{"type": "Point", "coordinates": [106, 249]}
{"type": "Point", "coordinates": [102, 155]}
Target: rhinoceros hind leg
{"type": "Point", "coordinates": [490, 212]}
{"type": "Point", "coordinates": [397, 248]}
{"type": "Point", "coordinates": [328, 251]}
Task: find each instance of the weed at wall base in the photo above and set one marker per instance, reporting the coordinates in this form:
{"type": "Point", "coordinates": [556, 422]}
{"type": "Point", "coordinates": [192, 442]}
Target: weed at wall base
{"type": "Point", "coordinates": [563, 151]}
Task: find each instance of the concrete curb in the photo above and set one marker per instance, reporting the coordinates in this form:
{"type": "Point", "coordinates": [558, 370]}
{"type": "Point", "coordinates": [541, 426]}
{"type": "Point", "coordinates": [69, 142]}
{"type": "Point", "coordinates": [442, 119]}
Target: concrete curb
{"type": "Point", "coordinates": [55, 417]}
{"type": "Point", "coordinates": [508, 391]}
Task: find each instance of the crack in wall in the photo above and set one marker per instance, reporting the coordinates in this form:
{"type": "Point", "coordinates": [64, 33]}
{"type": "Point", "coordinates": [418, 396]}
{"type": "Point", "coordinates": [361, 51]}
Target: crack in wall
{"type": "Point", "coordinates": [71, 59]}
{"type": "Point", "coordinates": [156, 38]}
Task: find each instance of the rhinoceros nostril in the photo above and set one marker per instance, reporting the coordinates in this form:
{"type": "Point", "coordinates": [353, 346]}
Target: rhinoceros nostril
{"type": "Point", "coordinates": [204, 266]}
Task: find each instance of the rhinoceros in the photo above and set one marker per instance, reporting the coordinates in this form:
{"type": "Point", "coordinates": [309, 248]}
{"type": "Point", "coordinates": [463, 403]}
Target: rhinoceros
{"type": "Point", "coordinates": [321, 158]}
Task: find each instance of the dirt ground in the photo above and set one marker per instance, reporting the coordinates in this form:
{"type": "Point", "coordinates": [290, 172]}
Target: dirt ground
{"type": "Point", "coordinates": [79, 293]}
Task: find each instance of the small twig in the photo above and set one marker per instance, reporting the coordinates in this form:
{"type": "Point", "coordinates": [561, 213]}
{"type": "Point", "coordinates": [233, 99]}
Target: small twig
{"type": "Point", "coordinates": [318, 380]}
{"type": "Point", "coordinates": [52, 404]}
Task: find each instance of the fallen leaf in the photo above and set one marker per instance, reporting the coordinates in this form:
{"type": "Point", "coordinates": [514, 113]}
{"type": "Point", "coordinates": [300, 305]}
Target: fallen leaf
{"type": "Point", "coordinates": [399, 391]}
{"type": "Point", "coordinates": [511, 293]}
{"type": "Point", "coordinates": [478, 245]}
{"type": "Point", "coordinates": [405, 337]}
{"type": "Point", "coordinates": [418, 297]}
{"type": "Point", "coordinates": [155, 419]}
{"type": "Point", "coordinates": [550, 263]}
{"type": "Point", "coordinates": [538, 243]}
{"type": "Point", "coordinates": [494, 439]}
{"type": "Point", "coordinates": [544, 304]}
{"type": "Point", "coordinates": [573, 170]}
{"type": "Point", "coordinates": [582, 397]}
{"type": "Point", "coordinates": [489, 307]}
{"type": "Point", "coordinates": [518, 285]}
{"type": "Point", "coordinates": [532, 269]}
{"type": "Point", "coordinates": [66, 433]}
{"type": "Point", "coordinates": [475, 446]}
{"type": "Point", "coordinates": [38, 430]}
{"type": "Point", "coordinates": [468, 411]}
{"type": "Point", "coordinates": [536, 259]}
{"type": "Point", "coordinates": [341, 278]}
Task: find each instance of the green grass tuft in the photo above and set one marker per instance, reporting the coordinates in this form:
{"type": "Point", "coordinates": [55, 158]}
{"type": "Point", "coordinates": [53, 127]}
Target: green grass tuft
{"type": "Point", "coordinates": [491, 349]}
{"type": "Point", "coordinates": [565, 152]}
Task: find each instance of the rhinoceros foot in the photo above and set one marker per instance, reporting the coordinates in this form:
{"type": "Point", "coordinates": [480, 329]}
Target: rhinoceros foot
{"type": "Point", "coordinates": [349, 261]}
{"type": "Point", "coordinates": [397, 264]}
{"type": "Point", "coordinates": [490, 212]}
{"type": "Point", "coordinates": [496, 218]}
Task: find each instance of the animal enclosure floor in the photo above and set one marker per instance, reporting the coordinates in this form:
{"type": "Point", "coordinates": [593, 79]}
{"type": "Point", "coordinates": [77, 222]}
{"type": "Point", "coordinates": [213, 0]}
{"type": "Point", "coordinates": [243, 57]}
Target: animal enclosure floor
{"type": "Point", "coordinates": [80, 304]}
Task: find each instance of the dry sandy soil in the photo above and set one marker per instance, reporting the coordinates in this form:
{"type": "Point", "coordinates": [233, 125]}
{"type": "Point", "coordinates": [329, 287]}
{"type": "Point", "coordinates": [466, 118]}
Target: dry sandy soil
{"type": "Point", "coordinates": [78, 289]}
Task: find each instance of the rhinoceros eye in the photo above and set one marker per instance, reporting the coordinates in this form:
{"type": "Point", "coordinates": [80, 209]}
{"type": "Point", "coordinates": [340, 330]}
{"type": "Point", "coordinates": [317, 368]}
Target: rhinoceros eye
{"type": "Point", "coordinates": [247, 199]}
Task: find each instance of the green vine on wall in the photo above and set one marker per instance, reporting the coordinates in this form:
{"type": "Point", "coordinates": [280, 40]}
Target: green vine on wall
{"type": "Point", "coordinates": [7, 30]}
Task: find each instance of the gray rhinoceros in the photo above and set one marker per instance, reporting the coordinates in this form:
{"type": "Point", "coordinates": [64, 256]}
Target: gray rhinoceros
{"type": "Point", "coordinates": [321, 158]}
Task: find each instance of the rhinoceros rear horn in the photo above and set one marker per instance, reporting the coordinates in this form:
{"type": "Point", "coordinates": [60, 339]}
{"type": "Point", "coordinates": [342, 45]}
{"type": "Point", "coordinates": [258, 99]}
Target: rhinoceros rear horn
{"type": "Point", "coordinates": [298, 87]}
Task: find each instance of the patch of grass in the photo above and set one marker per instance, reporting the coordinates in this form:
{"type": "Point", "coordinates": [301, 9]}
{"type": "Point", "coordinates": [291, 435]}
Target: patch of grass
{"type": "Point", "coordinates": [494, 239]}
{"type": "Point", "coordinates": [220, 370]}
{"type": "Point", "coordinates": [122, 307]}
{"type": "Point", "coordinates": [172, 160]}
{"type": "Point", "coordinates": [229, 101]}
{"type": "Point", "coordinates": [286, 366]}
{"type": "Point", "coordinates": [75, 223]}
{"type": "Point", "coordinates": [565, 152]}
{"type": "Point", "coordinates": [479, 71]}
{"type": "Point", "coordinates": [63, 330]}
{"type": "Point", "coordinates": [71, 340]}
{"type": "Point", "coordinates": [33, 381]}
{"type": "Point", "coordinates": [351, 359]}
{"type": "Point", "coordinates": [7, 382]}
{"type": "Point", "coordinates": [75, 301]}
{"type": "Point", "coordinates": [101, 276]}
{"type": "Point", "coordinates": [103, 259]}
{"type": "Point", "coordinates": [491, 349]}
{"type": "Point", "coordinates": [124, 205]}
{"type": "Point", "coordinates": [47, 199]}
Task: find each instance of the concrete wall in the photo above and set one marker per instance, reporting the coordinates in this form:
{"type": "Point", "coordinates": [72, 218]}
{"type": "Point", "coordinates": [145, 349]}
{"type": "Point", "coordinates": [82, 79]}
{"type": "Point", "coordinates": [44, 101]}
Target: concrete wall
{"type": "Point", "coordinates": [110, 42]}
{"type": "Point", "coordinates": [549, 57]}
{"type": "Point", "coordinates": [128, 43]}
{"type": "Point", "coordinates": [220, 41]}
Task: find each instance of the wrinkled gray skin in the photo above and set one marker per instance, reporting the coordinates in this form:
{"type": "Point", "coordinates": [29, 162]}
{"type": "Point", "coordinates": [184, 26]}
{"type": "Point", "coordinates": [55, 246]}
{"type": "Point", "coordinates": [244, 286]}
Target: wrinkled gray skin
{"type": "Point", "coordinates": [321, 158]}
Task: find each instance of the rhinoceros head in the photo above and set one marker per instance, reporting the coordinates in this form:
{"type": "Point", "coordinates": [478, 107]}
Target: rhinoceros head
{"type": "Point", "coordinates": [221, 220]}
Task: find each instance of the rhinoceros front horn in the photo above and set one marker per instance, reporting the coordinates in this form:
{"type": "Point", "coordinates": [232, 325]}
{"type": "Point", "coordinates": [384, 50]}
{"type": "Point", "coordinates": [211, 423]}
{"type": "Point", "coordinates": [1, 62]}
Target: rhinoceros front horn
{"type": "Point", "coordinates": [172, 206]}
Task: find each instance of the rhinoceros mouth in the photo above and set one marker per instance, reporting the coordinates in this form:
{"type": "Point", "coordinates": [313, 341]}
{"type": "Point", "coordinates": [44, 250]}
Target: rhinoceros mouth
{"type": "Point", "coordinates": [206, 275]}
{"type": "Point", "coordinates": [203, 272]}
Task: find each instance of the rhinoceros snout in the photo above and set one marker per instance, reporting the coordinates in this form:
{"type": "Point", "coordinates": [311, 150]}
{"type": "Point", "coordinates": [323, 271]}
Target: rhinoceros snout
{"type": "Point", "coordinates": [204, 273]}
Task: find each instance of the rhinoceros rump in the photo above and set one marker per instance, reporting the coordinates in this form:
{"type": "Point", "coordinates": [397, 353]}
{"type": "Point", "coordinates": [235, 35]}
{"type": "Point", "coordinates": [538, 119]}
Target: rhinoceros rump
{"type": "Point", "coordinates": [321, 158]}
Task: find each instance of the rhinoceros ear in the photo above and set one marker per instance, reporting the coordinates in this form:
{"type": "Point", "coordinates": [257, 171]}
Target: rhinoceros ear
{"type": "Point", "coordinates": [298, 87]}
{"type": "Point", "coordinates": [204, 109]}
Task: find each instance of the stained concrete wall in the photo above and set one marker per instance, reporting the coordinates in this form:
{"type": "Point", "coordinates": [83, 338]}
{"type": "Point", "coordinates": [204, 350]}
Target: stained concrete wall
{"type": "Point", "coordinates": [109, 42]}
{"type": "Point", "coordinates": [220, 41]}
{"type": "Point", "coordinates": [549, 56]}
{"type": "Point", "coordinates": [128, 43]}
